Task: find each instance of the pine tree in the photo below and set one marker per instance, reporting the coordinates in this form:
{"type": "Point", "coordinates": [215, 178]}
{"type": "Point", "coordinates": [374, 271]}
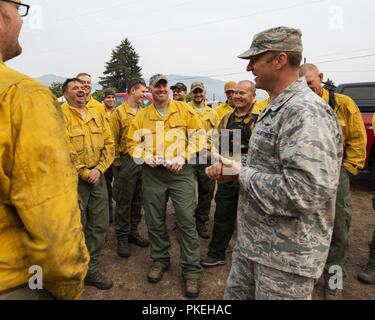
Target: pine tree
{"type": "Point", "coordinates": [56, 88]}
{"type": "Point", "coordinates": [122, 67]}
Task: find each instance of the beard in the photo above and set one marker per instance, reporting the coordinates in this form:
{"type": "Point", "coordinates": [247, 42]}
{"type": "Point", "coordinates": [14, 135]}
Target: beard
{"type": "Point", "coordinates": [12, 52]}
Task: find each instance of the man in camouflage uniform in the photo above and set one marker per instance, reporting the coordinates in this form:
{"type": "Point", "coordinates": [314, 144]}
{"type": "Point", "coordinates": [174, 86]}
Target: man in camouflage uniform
{"type": "Point", "coordinates": [355, 142]}
{"type": "Point", "coordinates": [289, 183]}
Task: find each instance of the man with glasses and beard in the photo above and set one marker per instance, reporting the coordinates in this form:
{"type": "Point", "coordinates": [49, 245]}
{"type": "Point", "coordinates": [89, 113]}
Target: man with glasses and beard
{"type": "Point", "coordinates": [39, 214]}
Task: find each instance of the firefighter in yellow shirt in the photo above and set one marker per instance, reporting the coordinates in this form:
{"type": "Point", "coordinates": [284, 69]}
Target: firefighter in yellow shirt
{"type": "Point", "coordinates": [206, 186]}
{"type": "Point", "coordinates": [228, 106]}
{"type": "Point", "coordinates": [164, 136]}
{"type": "Point", "coordinates": [355, 141]}
{"type": "Point", "coordinates": [90, 136]}
{"type": "Point", "coordinates": [127, 187]}
{"type": "Point", "coordinates": [39, 214]}
{"type": "Point", "coordinates": [87, 84]}
{"type": "Point", "coordinates": [109, 100]}
{"type": "Point", "coordinates": [179, 91]}
{"type": "Point", "coordinates": [90, 101]}
{"type": "Point", "coordinates": [243, 119]}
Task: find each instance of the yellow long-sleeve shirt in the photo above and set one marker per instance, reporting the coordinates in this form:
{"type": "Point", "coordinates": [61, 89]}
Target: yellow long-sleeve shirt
{"type": "Point", "coordinates": [92, 103]}
{"type": "Point", "coordinates": [353, 130]}
{"type": "Point", "coordinates": [39, 215]}
{"type": "Point", "coordinates": [91, 139]}
{"type": "Point", "coordinates": [178, 133]}
{"type": "Point", "coordinates": [120, 121]}
{"type": "Point", "coordinates": [223, 109]}
{"type": "Point", "coordinates": [97, 105]}
{"type": "Point", "coordinates": [210, 120]}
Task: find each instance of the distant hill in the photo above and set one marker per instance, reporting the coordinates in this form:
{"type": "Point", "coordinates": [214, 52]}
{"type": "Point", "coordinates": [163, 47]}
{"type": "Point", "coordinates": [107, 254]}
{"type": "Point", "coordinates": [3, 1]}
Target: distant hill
{"type": "Point", "coordinates": [48, 79]}
{"type": "Point", "coordinates": [214, 87]}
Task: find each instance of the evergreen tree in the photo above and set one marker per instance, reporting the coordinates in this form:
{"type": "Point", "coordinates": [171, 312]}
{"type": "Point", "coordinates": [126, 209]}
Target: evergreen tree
{"type": "Point", "coordinates": [122, 67]}
{"type": "Point", "coordinates": [56, 89]}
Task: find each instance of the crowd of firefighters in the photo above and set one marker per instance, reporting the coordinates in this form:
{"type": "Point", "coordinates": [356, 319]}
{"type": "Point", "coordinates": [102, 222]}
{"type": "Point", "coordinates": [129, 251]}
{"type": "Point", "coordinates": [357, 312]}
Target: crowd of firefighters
{"type": "Point", "coordinates": [283, 169]}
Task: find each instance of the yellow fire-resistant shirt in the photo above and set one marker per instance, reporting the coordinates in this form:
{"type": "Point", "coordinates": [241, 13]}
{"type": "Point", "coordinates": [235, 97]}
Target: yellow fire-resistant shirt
{"type": "Point", "coordinates": [353, 130]}
{"type": "Point", "coordinates": [120, 122]}
{"type": "Point", "coordinates": [97, 105]}
{"type": "Point", "coordinates": [250, 120]}
{"type": "Point", "coordinates": [91, 139]}
{"type": "Point", "coordinates": [223, 109]}
{"type": "Point", "coordinates": [261, 105]}
{"type": "Point", "coordinates": [210, 120]}
{"type": "Point", "coordinates": [92, 103]}
{"type": "Point", "coordinates": [178, 133]}
{"type": "Point", "coordinates": [40, 222]}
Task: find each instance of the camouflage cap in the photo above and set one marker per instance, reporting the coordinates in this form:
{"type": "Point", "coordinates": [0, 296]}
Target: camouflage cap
{"type": "Point", "coordinates": [275, 39]}
{"type": "Point", "coordinates": [155, 79]}
{"type": "Point", "coordinates": [197, 85]}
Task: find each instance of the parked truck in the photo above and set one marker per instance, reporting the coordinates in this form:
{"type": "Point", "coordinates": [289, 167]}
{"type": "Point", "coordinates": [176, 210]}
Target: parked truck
{"type": "Point", "coordinates": [364, 95]}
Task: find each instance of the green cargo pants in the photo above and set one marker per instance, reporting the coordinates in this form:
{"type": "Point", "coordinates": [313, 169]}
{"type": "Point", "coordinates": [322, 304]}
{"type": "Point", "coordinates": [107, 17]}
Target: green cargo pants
{"type": "Point", "coordinates": [158, 185]}
{"type": "Point", "coordinates": [127, 192]}
{"type": "Point", "coordinates": [95, 218]}
{"type": "Point", "coordinates": [225, 219]}
{"type": "Point", "coordinates": [338, 251]}
{"type": "Point", "coordinates": [206, 188]}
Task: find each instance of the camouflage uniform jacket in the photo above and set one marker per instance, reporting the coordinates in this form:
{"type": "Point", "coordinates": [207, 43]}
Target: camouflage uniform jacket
{"type": "Point", "coordinates": [289, 184]}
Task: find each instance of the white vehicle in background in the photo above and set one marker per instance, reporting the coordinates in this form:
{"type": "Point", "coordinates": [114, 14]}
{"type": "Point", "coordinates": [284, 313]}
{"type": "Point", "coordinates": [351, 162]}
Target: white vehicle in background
{"type": "Point", "coordinates": [213, 104]}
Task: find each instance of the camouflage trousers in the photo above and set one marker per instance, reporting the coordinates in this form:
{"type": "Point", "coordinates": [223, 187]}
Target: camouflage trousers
{"type": "Point", "coordinates": [249, 280]}
{"type": "Point", "coordinates": [338, 251]}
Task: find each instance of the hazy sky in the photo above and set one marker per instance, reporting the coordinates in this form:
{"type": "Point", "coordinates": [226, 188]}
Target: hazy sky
{"type": "Point", "coordinates": [197, 37]}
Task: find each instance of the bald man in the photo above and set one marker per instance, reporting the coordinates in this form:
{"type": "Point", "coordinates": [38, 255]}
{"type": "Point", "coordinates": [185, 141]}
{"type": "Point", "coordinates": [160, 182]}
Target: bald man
{"type": "Point", "coordinates": [355, 141]}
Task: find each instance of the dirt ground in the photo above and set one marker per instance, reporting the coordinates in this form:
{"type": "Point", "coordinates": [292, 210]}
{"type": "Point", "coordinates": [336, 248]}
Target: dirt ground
{"type": "Point", "coordinates": [129, 275]}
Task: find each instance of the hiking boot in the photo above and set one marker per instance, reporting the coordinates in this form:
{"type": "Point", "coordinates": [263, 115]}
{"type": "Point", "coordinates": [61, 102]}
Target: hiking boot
{"type": "Point", "coordinates": [98, 280]}
{"type": "Point", "coordinates": [212, 262]}
{"type": "Point", "coordinates": [138, 240]}
{"type": "Point", "coordinates": [367, 275]}
{"type": "Point", "coordinates": [202, 230]}
{"type": "Point", "coordinates": [335, 294]}
{"type": "Point", "coordinates": [192, 289]}
{"type": "Point", "coordinates": [123, 249]}
{"type": "Point", "coordinates": [156, 273]}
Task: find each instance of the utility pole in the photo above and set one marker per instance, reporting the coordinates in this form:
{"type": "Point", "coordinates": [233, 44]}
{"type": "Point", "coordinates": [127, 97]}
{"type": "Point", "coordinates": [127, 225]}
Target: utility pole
{"type": "Point", "coordinates": [304, 60]}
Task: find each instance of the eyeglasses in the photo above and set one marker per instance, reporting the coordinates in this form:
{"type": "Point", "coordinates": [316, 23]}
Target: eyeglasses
{"type": "Point", "coordinates": [23, 9]}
